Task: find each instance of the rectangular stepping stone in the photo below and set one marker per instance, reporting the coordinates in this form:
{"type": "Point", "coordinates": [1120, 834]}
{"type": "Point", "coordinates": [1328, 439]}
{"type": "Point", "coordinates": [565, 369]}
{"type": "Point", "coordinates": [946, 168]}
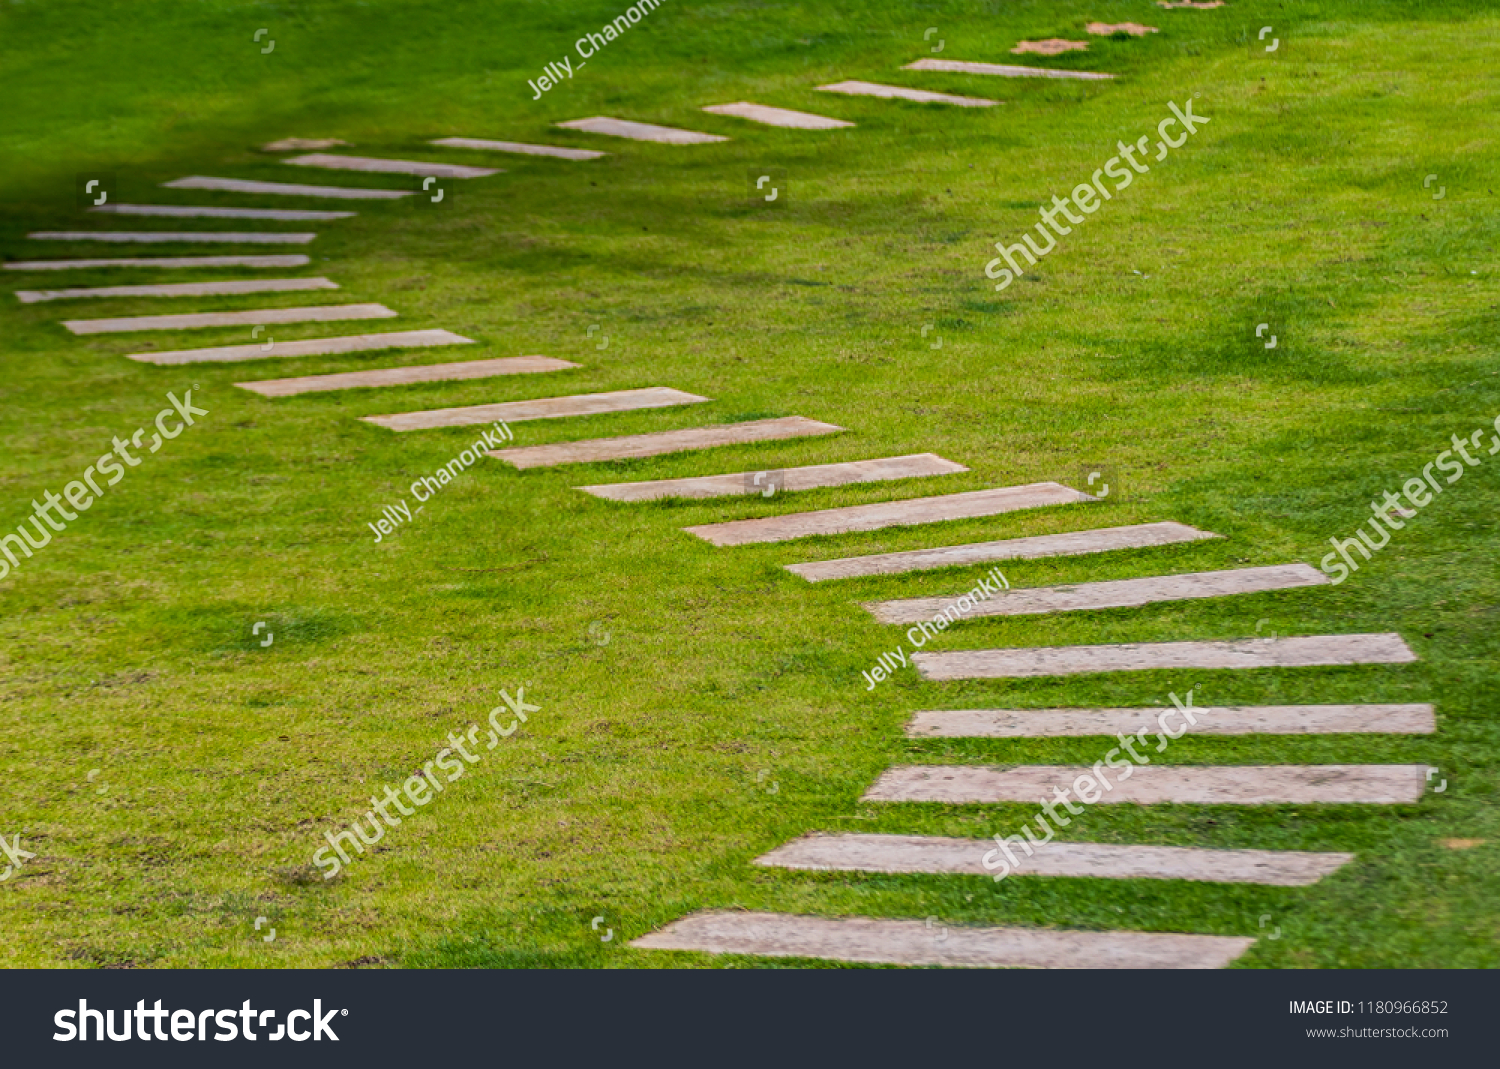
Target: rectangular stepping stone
{"type": "Point", "coordinates": [482, 145]}
{"type": "Point", "coordinates": [198, 212]}
{"type": "Point", "coordinates": [631, 446]}
{"type": "Point", "coordinates": [1302, 652]}
{"type": "Point", "coordinates": [1069, 544]}
{"type": "Point", "coordinates": [639, 131]}
{"type": "Point", "coordinates": [1157, 784]}
{"type": "Point", "coordinates": [1003, 70]}
{"type": "Point", "coordinates": [1212, 720]}
{"type": "Point", "coordinates": [312, 314]}
{"type": "Point", "coordinates": [1110, 594]}
{"type": "Point", "coordinates": [367, 163]}
{"type": "Point", "coordinates": [899, 92]}
{"type": "Point", "coordinates": [285, 189]}
{"type": "Point", "coordinates": [353, 343]}
{"type": "Point", "coordinates": [297, 260]}
{"type": "Point", "coordinates": [887, 514]}
{"type": "Point", "coordinates": [808, 478]}
{"type": "Point", "coordinates": [211, 237]}
{"type": "Point", "coordinates": [584, 404]}
{"type": "Point", "coordinates": [910, 942]}
{"type": "Point", "coordinates": [182, 289]}
{"type": "Point", "coordinates": [302, 144]}
{"type": "Point", "coordinates": [860, 852]}
{"type": "Point", "coordinates": [401, 376]}
{"type": "Point", "coordinates": [795, 120]}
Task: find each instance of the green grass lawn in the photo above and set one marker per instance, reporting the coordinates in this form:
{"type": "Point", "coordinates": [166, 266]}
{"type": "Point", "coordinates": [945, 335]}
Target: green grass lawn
{"type": "Point", "coordinates": [680, 683]}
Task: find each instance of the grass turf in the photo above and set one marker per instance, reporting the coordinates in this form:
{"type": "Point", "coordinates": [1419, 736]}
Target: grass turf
{"type": "Point", "coordinates": [702, 705]}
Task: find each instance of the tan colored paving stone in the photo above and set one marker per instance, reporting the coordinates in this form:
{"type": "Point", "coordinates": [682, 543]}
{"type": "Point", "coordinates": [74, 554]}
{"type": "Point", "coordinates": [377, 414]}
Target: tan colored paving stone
{"type": "Point", "coordinates": [285, 189]}
{"type": "Point", "coordinates": [639, 131]}
{"type": "Point", "coordinates": [202, 237]}
{"type": "Point", "coordinates": [860, 852]}
{"type": "Point", "coordinates": [911, 942]}
{"type": "Point", "coordinates": [1156, 784]}
{"type": "Point", "coordinates": [901, 92]}
{"type": "Point", "coordinates": [1104, 29]}
{"type": "Point", "coordinates": [297, 260]}
{"type": "Point", "coordinates": [630, 446]}
{"type": "Point", "coordinates": [181, 289]}
{"type": "Point", "coordinates": [481, 145]}
{"type": "Point", "coordinates": [181, 211]}
{"type": "Point", "coordinates": [353, 343]}
{"type": "Point", "coordinates": [1300, 652]}
{"type": "Point", "coordinates": [267, 316]}
{"type": "Point", "coordinates": [584, 404]}
{"type": "Point", "coordinates": [402, 376]}
{"type": "Point", "coordinates": [808, 478]}
{"type": "Point", "coordinates": [303, 144]}
{"type": "Point", "coordinates": [375, 166]}
{"type": "Point", "coordinates": [794, 120]}
{"type": "Point", "coordinates": [1002, 70]}
{"type": "Point", "coordinates": [1068, 544]}
{"type": "Point", "coordinates": [1053, 46]}
{"type": "Point", "coordinates": [1415, 719]}
{"type": "Point", "coordinates": [887, 514]}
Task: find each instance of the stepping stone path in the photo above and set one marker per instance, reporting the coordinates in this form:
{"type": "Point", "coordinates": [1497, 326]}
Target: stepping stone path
{"type": "Point", "coordinates": [515, 146]}
{"type": "Point", "coordinates": [176, 211]}
{"type": "Point", "coordinates": [1104, 29]}
{"type": "Point", "coordinates": [911, 942]}
{"type": "Point", "coordinates": [212, 237]}
{"type": "Point", "coordinates": [303, 144]}
{"type": "Point", "coordinates": [266, 316]}
{"type": "Point", "coordinates": [1225, 720]}
{"type": "Point", "coordinates": [297, 260]}
{"type": "Point", "coordinates": [1001, 70]}
{"type": "Point", "coordinates": [1072, 543]}
{"type": "Point", "coordinates": [859, 852]}
{"type": "Point", "coordinates": [354, 343]}
{"type": "Point", "coordinates": [1301, 652]}
{"type": "Point", "coordinates": [402, 376]}
{"type": "Point", "coordinates": [795, 120]}
{"type": "Point", "coordinates": [660, 443]}
{"type": "Point", "coordinates": [808, 478]}
{"type": "Point", "coordinates": [287, 189]}
{"type": "Point", "coordinates": [181, 289]}
{"type": "Point", "coordinates": [639, 131]}
{"type": "Point", "coordinates": [898, 92]}
{"type": "Point", "coordinates": [1053, 46]}
{"type": "Point", "coordinates": [374, 166]}
{"type": "Point", "coordinates": [586, 404]}
{"type": "Point", "coordinates": [1157, 784]}
{"type": "Point", "coordinates": [1190, 3]}
{"type": "Point", "coordinates": [887, 514]}
{"type": "Point", "coordinates": [1112, 594]}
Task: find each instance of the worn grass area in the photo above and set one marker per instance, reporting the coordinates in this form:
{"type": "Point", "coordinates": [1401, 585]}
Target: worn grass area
{"type": "Point", "coordinates": [681, 685]}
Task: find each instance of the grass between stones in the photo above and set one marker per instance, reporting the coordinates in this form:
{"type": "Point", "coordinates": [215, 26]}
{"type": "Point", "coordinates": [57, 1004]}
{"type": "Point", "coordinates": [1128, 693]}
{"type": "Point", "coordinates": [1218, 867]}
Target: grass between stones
{"type": "Point", "coordinates": [679, 682]}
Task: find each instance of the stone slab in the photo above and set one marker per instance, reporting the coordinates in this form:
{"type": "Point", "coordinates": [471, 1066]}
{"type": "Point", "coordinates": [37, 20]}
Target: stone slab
{"type": "Point", "coordinates": [302, 144]}
{"type": "Point", "coordinates": [201, 237]}
{"type": "Point", "coordinates": [1105, 29]}
{"type": "Point", "coordinates": [297, 260]}
{"type": "Point", "coordinates": [181, 211]}
{"type": "Point", "coordinates": [353, 343]}
{"type": "Point", "coordinates": [284, 189]}
{"type": "Point", "coordinates": [860, 852]}
{"type": "Point", "coordinates": [808, 478]}
{"type": "Point", "coordinates": [640, 131]}
{"type": "Point", "coordinates": [793, 120]}
{"type": "Point", "coordinates": [402, 376]}
{"type": "Point", "coordinates": [482, 145]}
{"type": "Point", "coordinates": [1109, 594]}
{"type": "Point", "coordinates": [182, 289]}
{"type": "Point", "coordinates": [584, 404]}
{"type": "Point", "coordinates": [1052, 46]}
{"type": "Point", "coordinates": [1157, 784]}
{"type": "Point", "coordinates": [659, 443]}
{"type": "Point", "coordinates": [1212, 720]}
{"type": "Point", "coordinates": [899, 92]}
{"type": "Point", "coordinates": [377, 166]}
{"type": "Point", "coordinates": [1002, 70]}
{"type": "Point", "coordinates": [911, 942]}
{"type": "Point", "coordinates": [266, 316]}
{"type": "Point", "coordinates": [1068, 544]}
{"type": "Point", "coordinates": [1301, 652]}
{"type": "Point", "coordinates": [887, 514]}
